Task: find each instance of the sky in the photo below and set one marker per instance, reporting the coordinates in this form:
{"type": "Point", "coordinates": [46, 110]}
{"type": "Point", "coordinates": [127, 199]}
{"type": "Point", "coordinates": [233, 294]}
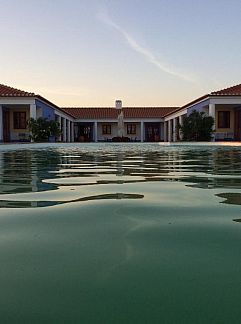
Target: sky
{"type": "Point", "coordinates": [143, 52]}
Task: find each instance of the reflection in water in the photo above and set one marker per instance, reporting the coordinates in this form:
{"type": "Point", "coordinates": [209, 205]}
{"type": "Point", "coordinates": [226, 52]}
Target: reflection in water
{"type": "Point", "coordinates": [122, 223]}
{"type": "Point", "coordinates": [33, 171]}
{"type": "Point", "coordinates": [23, 171]}
{"type": "Point", "coordinates": [230, 198]}
{"type": "Point", "coordinates": [31, 204]}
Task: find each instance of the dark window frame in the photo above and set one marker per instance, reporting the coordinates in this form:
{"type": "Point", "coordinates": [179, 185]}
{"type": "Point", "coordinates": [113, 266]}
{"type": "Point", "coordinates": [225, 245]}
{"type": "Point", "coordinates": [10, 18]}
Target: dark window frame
{"type": "Point", "coordinates": [131, 129]}
{"type": "Point", "coordinates": [106, 129]}
{"type": "Point", "coordinates": [19, 120]}
{"type": "Point", "coordinates": [224, 119]}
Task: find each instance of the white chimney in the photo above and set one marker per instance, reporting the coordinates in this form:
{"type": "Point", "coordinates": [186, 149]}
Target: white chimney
{"type": "Point", "coordinates": [118, 104]}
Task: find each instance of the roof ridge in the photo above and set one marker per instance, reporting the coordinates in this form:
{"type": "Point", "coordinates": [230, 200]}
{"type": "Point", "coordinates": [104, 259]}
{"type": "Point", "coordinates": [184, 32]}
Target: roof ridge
{"type": "Point", "coordinates": [129, 112]}
{"type": "Point", "coordinates": [226, 89]}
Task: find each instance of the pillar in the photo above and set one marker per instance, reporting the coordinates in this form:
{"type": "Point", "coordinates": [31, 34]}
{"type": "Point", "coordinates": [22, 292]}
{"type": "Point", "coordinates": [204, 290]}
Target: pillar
{"type": "Point", "coordinates": [72, 131]}
{"type": "Point", "coordinates": [211, 112]}
{"type": "Point", "coordinates": [64, 129]}
{"type": "Point", "coordinates": [169, 130]}
{"type": "Point", "coordinates": [2, 166]}
{"type": "Point", "coordinates": [59, 121]}
{"type": "Point", "coordinates": [165, 131]}
{"type": "Point", "coordinates": [33, 111]}
{"type": "Point", "coordinates": [142, 131]}
{"type": "Point", "coordinates": [1, 123]}
{"type": "Point", "coordinates": [68, 131]}
{"type": "Point", "coordinates": [95, 131]}
{"type": "Point", "coordinates": [180, 123]}
{"type": "Point", "coordinates": [174, 130]}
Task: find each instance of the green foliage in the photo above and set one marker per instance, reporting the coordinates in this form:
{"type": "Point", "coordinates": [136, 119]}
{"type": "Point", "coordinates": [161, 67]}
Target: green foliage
{"type": "Point", "coordinates": [197, 127]}
{"type": "Point", "coordinates": [41, 129]}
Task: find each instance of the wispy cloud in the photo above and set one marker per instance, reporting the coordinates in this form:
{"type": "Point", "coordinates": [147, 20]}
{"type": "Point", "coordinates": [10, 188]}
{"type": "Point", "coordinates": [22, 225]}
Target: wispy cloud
{"type": "Point", "coordinates": [147, 54]}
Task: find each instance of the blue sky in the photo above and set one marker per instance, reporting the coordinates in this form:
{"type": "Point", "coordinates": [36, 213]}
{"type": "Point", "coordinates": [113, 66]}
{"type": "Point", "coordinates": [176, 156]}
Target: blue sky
{"type": "Point", "coordinates": [89, 52]}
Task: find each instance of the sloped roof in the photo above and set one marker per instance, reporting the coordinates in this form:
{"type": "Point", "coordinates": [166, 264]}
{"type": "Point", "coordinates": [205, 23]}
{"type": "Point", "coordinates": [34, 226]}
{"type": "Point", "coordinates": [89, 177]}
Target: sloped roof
{"type": "Point", "coordinates": [231, 91]}
{"type": "Point", "coordinates": [112, 113]}
{"type": "Point", "coordinates": [6, 91]}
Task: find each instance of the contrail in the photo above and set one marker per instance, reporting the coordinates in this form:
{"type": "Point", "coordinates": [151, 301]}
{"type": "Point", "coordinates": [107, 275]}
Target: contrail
{"type": "Point", "coordinates": [149, 56]}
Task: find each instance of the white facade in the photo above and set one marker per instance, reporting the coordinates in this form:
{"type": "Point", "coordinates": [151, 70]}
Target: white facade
{"type": "Point", "coordinates": [16, 111]}
{"type": "Point", "coordinates": [136, 130]}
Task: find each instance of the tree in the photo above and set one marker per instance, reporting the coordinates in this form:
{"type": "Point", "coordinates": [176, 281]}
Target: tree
{"type": "Point", "coordinates": [42, 128]}
{"type": "Point", "coordinates": [197, 127]}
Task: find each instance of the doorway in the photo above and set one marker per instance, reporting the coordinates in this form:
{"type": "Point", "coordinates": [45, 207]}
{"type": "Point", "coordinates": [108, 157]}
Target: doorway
{"type": "Point", "coordinates": [6, 125]}
{"type": "Point", "coordinates": [152, 131]}
{"type": "Point", "coordinates": [85, 132]}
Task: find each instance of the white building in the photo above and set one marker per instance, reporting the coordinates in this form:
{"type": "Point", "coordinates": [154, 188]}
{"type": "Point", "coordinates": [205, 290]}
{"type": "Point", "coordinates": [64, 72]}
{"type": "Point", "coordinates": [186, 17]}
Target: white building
{"type": "Point", "coordinates": [144, 124]}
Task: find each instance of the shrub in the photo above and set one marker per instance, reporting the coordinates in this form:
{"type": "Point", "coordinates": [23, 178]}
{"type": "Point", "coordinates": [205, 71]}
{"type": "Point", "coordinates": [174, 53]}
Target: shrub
{"type": "Point", "coordinates": [42, 128]}
{"type": "Point", "coordinates": [197, 127]}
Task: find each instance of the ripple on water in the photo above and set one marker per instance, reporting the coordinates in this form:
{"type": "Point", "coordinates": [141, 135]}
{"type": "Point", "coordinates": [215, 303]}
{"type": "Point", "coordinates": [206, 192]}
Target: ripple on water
{"type": "Point", "coordinates": [131, 233]}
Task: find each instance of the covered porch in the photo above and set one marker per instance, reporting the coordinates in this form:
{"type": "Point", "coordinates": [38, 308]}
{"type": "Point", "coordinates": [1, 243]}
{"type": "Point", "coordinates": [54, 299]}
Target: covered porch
{"type": "Point", "coordinates": [226, 112]}
{"type": "Point", "coordinates": [227, 118]}
{"type": "Point", "coordinates": [13, 121]}
{"type": "Point", "coordinates": [14, 118]}
{"type": "Point", "coordinates": [227, 121]}
{"type": "Point", "coordinates": [105, 131]}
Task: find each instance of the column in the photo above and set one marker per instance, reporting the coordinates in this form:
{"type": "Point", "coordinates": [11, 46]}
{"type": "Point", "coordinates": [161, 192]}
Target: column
{"type": "Point", "coordinates": [180, 123]}
{"type": "Point", "coordinates": [1, 166]}
{"type": "Point", "coordinates": [72, 131]}
{"type": "Point", "coordinates": [169, 130]}
{"type": "Point", "coordinates": [64, 130]}
{"type": "Point", "coordinates": [165, 131]}
{"type": "Point", "coordinates": [211, 112]}
{"type": "Point", "coordinates": [33, 111]}
{"type": "Point", "coordinates": [1, 123]}
{"type": "Point", "coordinates": [174, 129]}
{"type": "Point", "coordinates": [68, 131]}
{"type": "Point", "coordinates": [33, 114]}
{"type": "Point", "coordinates": [95, 131]}
{"type": "Point", "coordinates": [142, 131]}
{"type": "Point", "coordinates": [59, 121]}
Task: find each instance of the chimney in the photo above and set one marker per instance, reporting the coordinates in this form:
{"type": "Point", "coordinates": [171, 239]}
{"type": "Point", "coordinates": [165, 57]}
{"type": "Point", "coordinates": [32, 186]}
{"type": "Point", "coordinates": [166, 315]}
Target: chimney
{"type": "Point", "coordinates": [118, 104]}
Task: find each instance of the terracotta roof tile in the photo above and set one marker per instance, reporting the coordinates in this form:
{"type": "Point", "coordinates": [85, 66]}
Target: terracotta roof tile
{"type": "Point", "coordinates": [110, 113]}
{"type": "Point", "coordinates": [6, 91]}
{"type": "Point", "coordinates": [231, 91]}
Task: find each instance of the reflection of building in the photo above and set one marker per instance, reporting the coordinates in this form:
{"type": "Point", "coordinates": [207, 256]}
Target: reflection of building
{"type": "Point", "coordinates": [145, 124]}
{"type": "Point", "coordinates": [23, 171]}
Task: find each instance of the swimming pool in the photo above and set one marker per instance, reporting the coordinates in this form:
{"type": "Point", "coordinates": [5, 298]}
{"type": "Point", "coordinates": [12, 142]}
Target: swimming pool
{"type": "Point", "coordinates": [120, 233]}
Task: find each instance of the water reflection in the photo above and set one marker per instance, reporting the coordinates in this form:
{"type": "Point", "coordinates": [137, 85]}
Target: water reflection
{"type": "Point", "coordinates": [231, 198]}
{"type": "Point", "coordinates": [46, 170]}
{"type": "Point", "coordinates": [32, 204]}
{"type": "Point", "coordinates": [23, 171]}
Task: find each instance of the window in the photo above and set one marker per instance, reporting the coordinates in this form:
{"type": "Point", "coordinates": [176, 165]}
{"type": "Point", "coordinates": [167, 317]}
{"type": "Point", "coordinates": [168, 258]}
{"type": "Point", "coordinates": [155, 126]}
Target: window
{"type": "Point", "coordinates": [131, 129]}
{"type": "Point", "coordinates": [224, 119]}
{"type": "Point", "coordinates": [106, 129]}
{"type": "Point", "coordinates": [19, 120]}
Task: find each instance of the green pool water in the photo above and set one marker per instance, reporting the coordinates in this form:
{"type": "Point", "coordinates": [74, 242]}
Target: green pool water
{"type": "Point", "coordinates": [120, 233]}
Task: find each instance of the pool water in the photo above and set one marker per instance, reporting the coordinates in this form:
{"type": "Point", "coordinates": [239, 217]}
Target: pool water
{"type": "Point", "coordinates": [120, 233]}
